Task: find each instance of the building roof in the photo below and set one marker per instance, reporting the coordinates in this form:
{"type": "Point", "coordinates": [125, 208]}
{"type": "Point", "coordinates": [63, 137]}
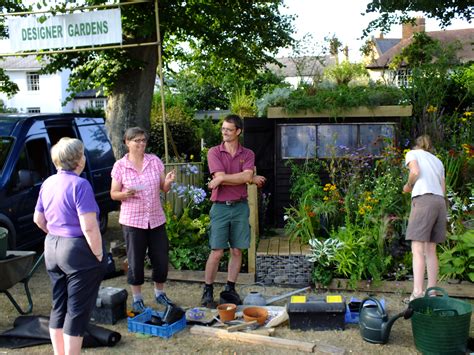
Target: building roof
{"type": "Point", "coordinates": [89, 94]}
{"type": "Point", "coordinates": [20, 63]}
{"type": "Point", "coordinates": [301, 66]}
{"type": "Point", "coordinates": [464, 36]}
{"type": "Point", "coordinates": [384, 44]}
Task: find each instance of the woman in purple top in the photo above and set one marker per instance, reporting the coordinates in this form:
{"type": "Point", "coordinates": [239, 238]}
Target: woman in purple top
{"type": "Point", "coordinates": [67, 211]}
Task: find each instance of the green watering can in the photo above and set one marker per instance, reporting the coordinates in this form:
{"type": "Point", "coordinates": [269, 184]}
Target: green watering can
{"type": "Point", "coordinates": [374, 323]}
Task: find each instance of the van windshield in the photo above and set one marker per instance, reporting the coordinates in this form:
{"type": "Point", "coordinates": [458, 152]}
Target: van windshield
{"type": "Point", "coordinates": [5, 146]}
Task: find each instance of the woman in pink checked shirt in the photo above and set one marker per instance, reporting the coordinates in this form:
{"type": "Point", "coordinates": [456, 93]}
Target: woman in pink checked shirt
{"type": "Point", "coordinates": [137, 179]}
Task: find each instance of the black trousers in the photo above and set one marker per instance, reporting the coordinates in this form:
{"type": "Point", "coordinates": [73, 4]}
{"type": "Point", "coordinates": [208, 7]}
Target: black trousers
{"type": "Point", "coordinates": [75, 275]}
{"type": "Point", "coordinates": [138, 241]}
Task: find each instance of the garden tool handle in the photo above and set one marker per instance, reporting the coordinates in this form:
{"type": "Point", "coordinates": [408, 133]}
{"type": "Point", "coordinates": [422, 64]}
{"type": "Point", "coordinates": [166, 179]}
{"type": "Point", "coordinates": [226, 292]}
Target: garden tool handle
{"type": "Point", "coordinates": [257, 284]}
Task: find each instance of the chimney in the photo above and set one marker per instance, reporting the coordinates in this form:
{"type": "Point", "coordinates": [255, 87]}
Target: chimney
{"type": "Point", "coordinates": [408, 29]}
{"type": "Point", "coordinates": [381, 35]}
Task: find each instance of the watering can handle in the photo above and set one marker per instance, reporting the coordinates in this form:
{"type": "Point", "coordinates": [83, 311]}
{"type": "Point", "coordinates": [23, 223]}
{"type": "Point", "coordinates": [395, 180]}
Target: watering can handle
{"type": "Point", "coordinates": [258, 284]}
{"type": "Point", "coordinates": [442, 290]}
{"type": "Point", "coordinates": [376, 301]}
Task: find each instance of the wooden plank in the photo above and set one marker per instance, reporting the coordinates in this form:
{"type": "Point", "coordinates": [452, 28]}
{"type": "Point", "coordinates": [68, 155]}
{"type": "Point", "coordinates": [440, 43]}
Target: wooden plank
{"type": "Point", "coordinates": [378, 111]}
{"type": "Point", "coordinates": [284, 248]}
{"type": "Point", "coordinates": [295, 247]}
{"type": "Point", "coordinates": [263, 246]}
{"type": "Point", "coordinates": [254, 338]}
{"type": "Point", "coordinates": [253, 221]}
{"type": "Point", "coordinates": [305, 249]}
{"type": "Point", "coordinates": [464, 289]}
{"type": "Point", "coordinates": [198, 276]}
{"type": "Point", "coordinates": [273, 246]}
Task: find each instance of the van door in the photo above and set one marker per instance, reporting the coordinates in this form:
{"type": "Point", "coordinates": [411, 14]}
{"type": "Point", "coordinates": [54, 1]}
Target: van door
{"type": "Point", "coordinates": [32, 168]}
{"type": "Point", "coordinates": [99, 162]}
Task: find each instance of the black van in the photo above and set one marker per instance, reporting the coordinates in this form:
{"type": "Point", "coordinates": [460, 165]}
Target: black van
{"type": "Point", "coordinates": [25, 162]}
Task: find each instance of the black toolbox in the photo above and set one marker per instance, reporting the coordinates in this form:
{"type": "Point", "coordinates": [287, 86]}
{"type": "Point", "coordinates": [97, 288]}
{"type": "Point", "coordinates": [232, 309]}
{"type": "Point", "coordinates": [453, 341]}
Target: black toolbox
{"type": "Point", "coordinates": [317, 312]}
{"type": "Point", "coordinates": [111, 305]}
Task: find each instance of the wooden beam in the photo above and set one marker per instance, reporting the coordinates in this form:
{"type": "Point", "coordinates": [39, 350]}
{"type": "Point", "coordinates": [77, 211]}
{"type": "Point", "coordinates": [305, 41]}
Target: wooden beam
{"type": "Point", "coordinates": [295, 345]}
{"type": "Point", "coordinates": [253, 221]}
{"type": "Point", "coordinates": [464, 289]}
{"type": "Point", "coordinates": [263, 246]}
{"type": "Point", "coordinates": [368, 112]}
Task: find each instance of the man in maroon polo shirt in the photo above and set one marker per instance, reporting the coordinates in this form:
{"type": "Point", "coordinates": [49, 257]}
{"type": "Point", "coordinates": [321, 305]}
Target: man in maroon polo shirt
{"type": "Point", "coordinates": [231, 167]}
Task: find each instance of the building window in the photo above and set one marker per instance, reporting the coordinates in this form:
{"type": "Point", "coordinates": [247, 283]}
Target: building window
{"type": "Point", "coordinates": [98, 103]}
{"type": "Point", "coordinates": [334, 140]}
{"type": "Point", "coordinates": [298, 141]}
{"type": "Point", "coordinates": [401, 77]}
{"type": "Point", "coordinates": [33, 109]}
{"type": "Point", "coordinates": [32, 81]}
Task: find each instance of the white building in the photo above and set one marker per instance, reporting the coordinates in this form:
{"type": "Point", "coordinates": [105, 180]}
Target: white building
{"type": "Point", "coordinates": [43, 93]}
{"type": "Point", "coordinates": [37, 92]}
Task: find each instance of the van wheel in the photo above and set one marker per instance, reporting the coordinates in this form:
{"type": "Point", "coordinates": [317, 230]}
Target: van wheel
{"type": "Point", "coordinates": [103, 222]}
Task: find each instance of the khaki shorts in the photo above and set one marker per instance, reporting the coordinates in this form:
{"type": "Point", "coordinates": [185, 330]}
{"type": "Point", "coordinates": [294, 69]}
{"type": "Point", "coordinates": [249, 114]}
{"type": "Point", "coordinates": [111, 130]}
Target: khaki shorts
{"type": "Point", "coordinates": [427, 222]}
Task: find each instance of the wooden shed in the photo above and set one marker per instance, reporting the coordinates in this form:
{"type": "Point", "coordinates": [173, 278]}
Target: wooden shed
{"type": "Point", "coordinates": [313, 135]}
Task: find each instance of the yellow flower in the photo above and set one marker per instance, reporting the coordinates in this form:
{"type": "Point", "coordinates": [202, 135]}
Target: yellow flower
{"type": "Point", "coordinates": [325, 188]}
{"type": "Point", "coordinates": [333, 187]}
{"type": "Point", "coordinates": [468, 113]}
{"type": "Point", "coordinates": [405, 151]}
{"type": "Point", "coordinates": [325, 198]}
{"type": "Point", "coordinates": [369, 208]}
{"type": "Point", "coordinates": [431, 109]}
{"type": "Point", "coordinates": [361, 210]}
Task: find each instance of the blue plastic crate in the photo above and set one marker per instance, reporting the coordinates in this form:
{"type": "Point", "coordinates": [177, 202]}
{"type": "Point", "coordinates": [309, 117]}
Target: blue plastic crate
{"type": "Point", "coordinates": [137, 325]}
{"type": "Point", "coordinates": [353, 317]}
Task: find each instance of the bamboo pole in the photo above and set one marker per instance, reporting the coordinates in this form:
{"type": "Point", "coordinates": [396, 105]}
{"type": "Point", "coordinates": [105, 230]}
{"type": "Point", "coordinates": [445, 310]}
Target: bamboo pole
{"type": "Point", "coordinates": [162, 86]}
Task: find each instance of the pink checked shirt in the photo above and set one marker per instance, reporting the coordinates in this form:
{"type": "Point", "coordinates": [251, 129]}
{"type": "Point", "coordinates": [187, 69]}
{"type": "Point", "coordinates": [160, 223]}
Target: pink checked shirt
{"type": "Point", "coordinates": [143, 210]}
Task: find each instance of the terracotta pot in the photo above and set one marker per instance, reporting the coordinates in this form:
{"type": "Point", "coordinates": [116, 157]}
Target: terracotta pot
{"type": "Point", "coordinates": [255, 313]}
{"type": "Point", "coordinates": [226, 311]}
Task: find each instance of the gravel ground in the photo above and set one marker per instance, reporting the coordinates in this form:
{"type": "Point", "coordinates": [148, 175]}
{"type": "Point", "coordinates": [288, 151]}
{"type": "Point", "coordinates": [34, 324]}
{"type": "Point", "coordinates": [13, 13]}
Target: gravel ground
{"type": "Point", "coordinates": [188, 294]}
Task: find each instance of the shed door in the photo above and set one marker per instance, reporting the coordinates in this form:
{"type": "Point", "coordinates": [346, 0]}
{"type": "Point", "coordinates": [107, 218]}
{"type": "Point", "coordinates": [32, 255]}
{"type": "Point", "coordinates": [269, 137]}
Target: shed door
{"type": "Point", "coordinates": [259, 135]}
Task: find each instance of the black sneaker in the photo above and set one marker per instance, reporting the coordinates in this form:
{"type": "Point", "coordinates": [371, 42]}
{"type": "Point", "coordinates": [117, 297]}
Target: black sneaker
{"type": "Point", "coordinates": [207, 299]}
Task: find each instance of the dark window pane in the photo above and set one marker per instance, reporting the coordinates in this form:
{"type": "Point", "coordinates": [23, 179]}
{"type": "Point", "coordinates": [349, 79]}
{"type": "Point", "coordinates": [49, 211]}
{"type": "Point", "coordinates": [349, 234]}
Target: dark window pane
{"type": "Point", "coordinates": [336, 140]}
{"type": "Point", "coordinates": [298, 141]}
{"type": "Point", "coordinates": [375, 137]}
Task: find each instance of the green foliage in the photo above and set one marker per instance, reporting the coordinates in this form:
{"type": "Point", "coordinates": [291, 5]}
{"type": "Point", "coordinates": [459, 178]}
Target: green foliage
{"type": "Point", "coordinates": [275, 98]}
{"type": "Point", "coordinates": [183, 131]}
{"type": "Point", "coordinates": [189, 258]}
{"type": "Point", "coordinates": [5, 109]}
{"type": "Point", "coordinates": [188, 239]}
{"type": "Point", "coordinates": [323, 254]}
{"type": "Point", "coordinates": [342, 97]}
{"type": "Point", "coordinates": [346, 72]}
{"type": "Point", "coordinates": [456, 260]}
{"type": "Point", "coordinates": [6, 85]}
{"type": "Point", "coordinates": [395, 12]}
{"type": "Point", "coordinates": [210, 131]}
{"type": "Point", "coordinates": [362, 256]}
{"type": "Point", "coordinates": [243, 104]}
{"type": "Point", "coordinates": [430, 63]}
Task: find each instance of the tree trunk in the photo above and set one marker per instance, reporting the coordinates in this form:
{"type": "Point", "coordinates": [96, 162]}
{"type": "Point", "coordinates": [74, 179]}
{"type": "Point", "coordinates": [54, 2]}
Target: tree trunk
{"type": "Point", "coordinates": [129, 104]}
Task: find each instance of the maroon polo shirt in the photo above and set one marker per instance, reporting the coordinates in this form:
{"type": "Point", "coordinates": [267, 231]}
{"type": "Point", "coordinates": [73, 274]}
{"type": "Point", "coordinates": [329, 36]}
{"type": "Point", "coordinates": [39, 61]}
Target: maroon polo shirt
{"type": "Point", "coordinates": [220, 160]}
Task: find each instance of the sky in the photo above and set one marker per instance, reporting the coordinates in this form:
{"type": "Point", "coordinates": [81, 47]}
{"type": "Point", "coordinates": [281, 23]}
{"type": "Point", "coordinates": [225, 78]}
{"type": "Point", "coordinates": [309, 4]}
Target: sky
{"type": "Point", "coordinates": [325, 18]}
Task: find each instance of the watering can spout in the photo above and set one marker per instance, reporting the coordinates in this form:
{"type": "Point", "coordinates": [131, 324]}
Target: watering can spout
{"type": "Point", "coordinates": [387, 326]}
